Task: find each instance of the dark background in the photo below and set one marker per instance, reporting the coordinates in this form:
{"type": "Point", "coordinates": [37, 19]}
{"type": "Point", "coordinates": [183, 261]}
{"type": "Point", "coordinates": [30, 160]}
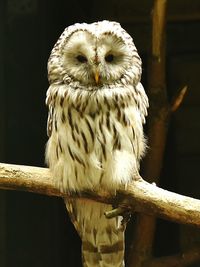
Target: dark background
{"type": "Point", "coordinates": [34, 229]}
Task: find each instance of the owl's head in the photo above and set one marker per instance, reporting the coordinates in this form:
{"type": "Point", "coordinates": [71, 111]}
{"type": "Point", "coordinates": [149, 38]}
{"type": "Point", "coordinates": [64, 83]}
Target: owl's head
{"type": "Point", "coordinates": [94, 55]}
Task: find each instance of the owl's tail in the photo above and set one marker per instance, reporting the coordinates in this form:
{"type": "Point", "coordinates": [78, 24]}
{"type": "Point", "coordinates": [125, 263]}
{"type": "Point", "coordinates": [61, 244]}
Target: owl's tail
{"type": "Point", "coordinates": [102, 238]}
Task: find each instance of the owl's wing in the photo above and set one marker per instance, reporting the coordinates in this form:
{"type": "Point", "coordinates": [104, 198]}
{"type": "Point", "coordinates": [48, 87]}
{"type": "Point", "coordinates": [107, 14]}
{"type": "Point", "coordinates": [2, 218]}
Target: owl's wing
{"type": "Point", "coordinates": [141, 100]}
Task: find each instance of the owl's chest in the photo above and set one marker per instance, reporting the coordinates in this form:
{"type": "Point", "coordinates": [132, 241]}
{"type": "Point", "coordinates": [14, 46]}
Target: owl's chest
{"type": "Point", "coordinates": [93, 138]}
{"type": "Point", "coordinates": [95, 124]}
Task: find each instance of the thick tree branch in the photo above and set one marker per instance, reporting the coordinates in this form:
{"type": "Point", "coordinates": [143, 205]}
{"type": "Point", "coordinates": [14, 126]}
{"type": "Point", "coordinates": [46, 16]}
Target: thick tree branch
{"type": "Point", "coordinates": [140, 195]}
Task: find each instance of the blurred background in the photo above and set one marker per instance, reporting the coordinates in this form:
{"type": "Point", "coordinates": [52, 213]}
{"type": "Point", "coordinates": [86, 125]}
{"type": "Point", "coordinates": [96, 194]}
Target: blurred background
{"type": "Point", "coordinates": [35, 230]}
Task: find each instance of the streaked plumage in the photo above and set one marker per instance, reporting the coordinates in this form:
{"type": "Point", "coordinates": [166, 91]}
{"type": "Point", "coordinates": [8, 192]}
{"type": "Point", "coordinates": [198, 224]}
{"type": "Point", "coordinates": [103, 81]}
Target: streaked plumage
{"type": "Point", "coordinates": [97, 106]}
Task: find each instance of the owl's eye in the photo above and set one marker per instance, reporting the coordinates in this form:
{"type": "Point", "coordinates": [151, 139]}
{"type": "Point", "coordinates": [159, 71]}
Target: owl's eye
{"type": "Point", "coordinates": [109, 58]}
{"type": "Point", "coordinates": [81, 59]}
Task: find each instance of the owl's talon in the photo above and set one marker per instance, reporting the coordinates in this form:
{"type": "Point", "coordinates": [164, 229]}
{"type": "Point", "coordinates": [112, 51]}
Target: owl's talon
{"type": "Point", "coordinates": [126, 218]}
{"type": "Point", "coordinates": [125, 212]}
{"type": "Point", "coordinates": [114, 212]}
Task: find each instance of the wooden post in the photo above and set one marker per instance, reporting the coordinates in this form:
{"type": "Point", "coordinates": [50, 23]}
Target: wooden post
{"type": "Point", "coordinates": [141, 249]}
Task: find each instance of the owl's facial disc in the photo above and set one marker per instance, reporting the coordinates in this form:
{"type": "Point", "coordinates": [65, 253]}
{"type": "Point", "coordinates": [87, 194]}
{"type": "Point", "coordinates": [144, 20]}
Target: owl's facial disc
{"type": "Point", "coordinates": [95, 60]}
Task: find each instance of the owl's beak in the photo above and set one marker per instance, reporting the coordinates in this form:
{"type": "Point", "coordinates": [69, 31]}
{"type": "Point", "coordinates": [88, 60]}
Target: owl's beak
{"type": "Point", "coordinates": [96, 77]}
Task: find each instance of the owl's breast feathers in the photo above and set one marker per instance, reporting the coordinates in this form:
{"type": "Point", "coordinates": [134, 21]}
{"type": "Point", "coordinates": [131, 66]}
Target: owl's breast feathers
{"type": "Point", "coordinates": [96, 137]}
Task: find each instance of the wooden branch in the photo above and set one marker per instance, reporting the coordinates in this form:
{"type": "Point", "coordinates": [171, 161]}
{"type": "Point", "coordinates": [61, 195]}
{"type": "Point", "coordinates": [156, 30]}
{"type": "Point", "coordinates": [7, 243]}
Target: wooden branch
{"type": "Point", "coordinates": [26, 178]}
{"type": "Point", "coordinates": [178, 99]}
{"type": "Point", "coordinates": [140, 195]}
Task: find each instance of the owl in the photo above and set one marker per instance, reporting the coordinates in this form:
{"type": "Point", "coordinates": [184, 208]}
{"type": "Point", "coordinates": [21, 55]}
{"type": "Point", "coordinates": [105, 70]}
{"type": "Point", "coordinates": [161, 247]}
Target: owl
{"type": "Point", "coordinates": [97, 108]}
